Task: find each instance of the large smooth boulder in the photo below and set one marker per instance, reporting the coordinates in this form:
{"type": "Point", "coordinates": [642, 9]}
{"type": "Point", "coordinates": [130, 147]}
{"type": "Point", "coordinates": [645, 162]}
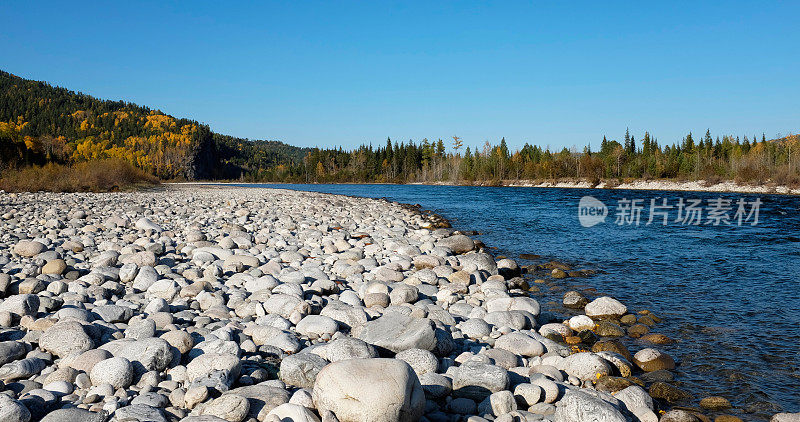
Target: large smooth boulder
{"type": "Point", "coordinates": [396, 332]}
{"type": "Point", "coordinates": [376, 390]}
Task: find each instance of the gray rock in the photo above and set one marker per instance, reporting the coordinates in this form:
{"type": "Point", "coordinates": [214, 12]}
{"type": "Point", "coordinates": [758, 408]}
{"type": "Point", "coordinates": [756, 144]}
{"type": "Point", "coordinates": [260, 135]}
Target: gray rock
{"type": "Point", "coordinates": [138, 413]}
{"type": "Point", "coordinates": [205, 364]}
{"type": "Point", "coordinates": [145, 224]}
{"type": "Point", "coordinates": [149, 354]}
{"type": "Point", "coordinates": [458, 243]}
{"type": "Point", "coordinates": [12, 410]}
{"type": "Point", "coordinates": [421, 361]}
{"type": "Point", "coordinates": [379, 390]}
{"type": "Point", "coordinates": [74, 415]}
{"type": "Point", "coordinates": [476, 381]}
{"type": "Point", "coordinates": [346, 348]}
{"type": "Point", "coordinates": [395, 332]}
{"type": "Point", "coordinates": [605, 307]}
{"type": "Point", "coordinates": [577, 406]}
{"type": "Point", "coordinates": [314, 326]}
{"type": "Point", "coordinates": [21, 369]}
{"type": "Point", "coordinates": [28, 248]}
{"type": "Point", "coordinates": [116, 371]}
{"type": "Point", "coordinates": [435, 385]}
{"type": "Point", "coordinates": [113, 313]}
{"type": "Point", "coordinates": [586, 366]}
{"type": "Point", "coordinates": [262, 399]}
{"type": "Point", "coordinates": [301, 369]}
{"type": "Point", "coordinates": [26, 304]}
{"type": "Point", "coordinates": [519, 344]}
{"type": "Point", "coordinates": [146, 277]}
{"type": "Point", "coordinates": [11, 351]}
{"type": "Point", "coordinates": [230, 407]}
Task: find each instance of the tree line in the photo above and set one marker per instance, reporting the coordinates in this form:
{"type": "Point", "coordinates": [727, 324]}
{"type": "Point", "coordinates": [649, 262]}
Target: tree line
{"type": "Point", "coordinates": [747, 159]}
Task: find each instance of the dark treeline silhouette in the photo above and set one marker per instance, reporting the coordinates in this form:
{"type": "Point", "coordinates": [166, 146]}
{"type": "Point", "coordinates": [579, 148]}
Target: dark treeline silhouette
{"type": "Point", "coordinates": [744, 159]}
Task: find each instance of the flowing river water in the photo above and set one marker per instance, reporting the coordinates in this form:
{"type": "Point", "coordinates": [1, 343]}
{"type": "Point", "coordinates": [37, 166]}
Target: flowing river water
{"type": "Point", "coordinates": [729, 294]}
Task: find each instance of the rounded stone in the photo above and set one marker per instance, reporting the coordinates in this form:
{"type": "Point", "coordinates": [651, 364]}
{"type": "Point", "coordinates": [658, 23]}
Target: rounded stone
{"type": "Point", "coordinates": [54, 266]}
{"type": "Point", "coordinates": [378, 390]}
{"type": "Point", "coordinates": [422, 361]}
{"type": "Point", "coordinates": [230, 407]}
{"type": "Point", "coordinates": [650, 360]}
{"type": "Point", "coordinates": [116, 371]}
{"type": "Point", "coordinates": [605, 307]}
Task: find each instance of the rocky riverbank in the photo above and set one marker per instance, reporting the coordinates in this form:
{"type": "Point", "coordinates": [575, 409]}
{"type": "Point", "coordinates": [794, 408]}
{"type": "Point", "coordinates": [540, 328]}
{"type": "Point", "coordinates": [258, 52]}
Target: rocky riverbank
{"type": "Point", "coordinates": [193, 303]}
{"type": "Point", "coordinates": [641, 184]}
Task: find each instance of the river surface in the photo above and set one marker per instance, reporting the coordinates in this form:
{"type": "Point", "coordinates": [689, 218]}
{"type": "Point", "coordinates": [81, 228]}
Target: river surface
{"type": "Point", "coordinates": [728, 293]}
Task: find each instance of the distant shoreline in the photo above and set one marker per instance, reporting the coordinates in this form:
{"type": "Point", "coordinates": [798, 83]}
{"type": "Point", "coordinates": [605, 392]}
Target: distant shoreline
{"type": "Point", "coordinates": [656, 185]}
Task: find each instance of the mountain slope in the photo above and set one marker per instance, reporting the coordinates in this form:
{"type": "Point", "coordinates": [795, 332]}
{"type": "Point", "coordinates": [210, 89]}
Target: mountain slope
{"type": "Point", "coordinates": [40, 123]}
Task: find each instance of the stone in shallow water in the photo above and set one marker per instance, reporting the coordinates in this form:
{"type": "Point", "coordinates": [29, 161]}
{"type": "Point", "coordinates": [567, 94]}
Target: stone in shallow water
{"type": "Point", "coordinates": [605, 307]}
{"type": "Point", "coordinates": [650, 360]}
{"type": "Point", "coordinates": [670, 393]}
{"type": "Point", "coordinates": [715, 403]}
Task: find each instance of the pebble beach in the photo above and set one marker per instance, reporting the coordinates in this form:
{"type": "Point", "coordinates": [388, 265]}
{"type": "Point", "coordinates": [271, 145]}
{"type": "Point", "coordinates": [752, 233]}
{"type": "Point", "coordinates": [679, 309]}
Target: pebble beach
{"type": "Point", "coordinates": [220, 303]}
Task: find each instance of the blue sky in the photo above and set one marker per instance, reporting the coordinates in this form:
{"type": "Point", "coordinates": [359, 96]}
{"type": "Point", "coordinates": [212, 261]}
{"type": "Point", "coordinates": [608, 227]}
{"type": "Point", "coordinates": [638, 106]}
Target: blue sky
{"type": "Point", "coordinates": [346, 73]}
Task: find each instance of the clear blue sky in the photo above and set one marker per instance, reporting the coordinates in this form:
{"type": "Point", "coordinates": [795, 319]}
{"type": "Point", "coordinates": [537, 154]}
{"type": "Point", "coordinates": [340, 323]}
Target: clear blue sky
{"type": "Point", "coordinates": [342, 73]}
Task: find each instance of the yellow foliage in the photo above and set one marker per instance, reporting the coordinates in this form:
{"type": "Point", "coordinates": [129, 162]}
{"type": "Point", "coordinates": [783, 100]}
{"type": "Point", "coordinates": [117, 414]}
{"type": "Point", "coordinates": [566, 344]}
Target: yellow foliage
{"type": "Point", "coordinates": [159, 121]}
{"type": "Point", "coordinates": [80, 114]}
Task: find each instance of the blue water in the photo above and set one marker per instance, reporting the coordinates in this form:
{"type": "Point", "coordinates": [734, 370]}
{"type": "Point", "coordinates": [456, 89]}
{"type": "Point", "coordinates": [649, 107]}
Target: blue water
{"type": "Point", "coordinates": [729, 294]}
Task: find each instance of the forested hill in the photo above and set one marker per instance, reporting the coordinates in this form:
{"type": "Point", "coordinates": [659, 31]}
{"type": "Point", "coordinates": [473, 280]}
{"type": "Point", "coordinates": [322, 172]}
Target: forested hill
{"type": "Point", "coordinates": [41, 123]}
